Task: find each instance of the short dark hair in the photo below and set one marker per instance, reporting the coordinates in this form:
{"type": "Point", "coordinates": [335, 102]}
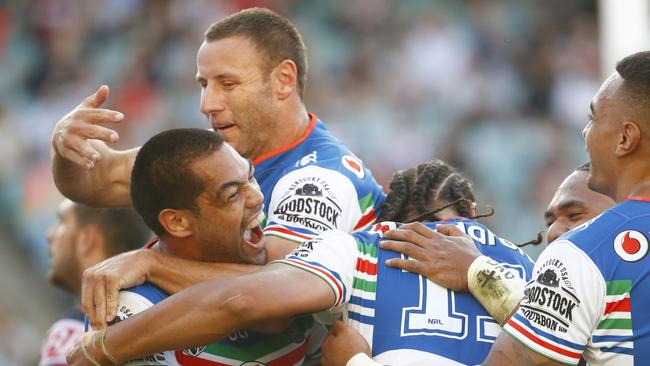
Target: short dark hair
{"type": "Point", "coordinates": [428, 187]}
{"type": "Point", "coordinates": [162, 176]}
{"type": "Point", "coordinates": [122, 228]}
{"type": "Point", "coordinates": [635, 72]}
{"type": "Point", "coordinates": [273, 35]}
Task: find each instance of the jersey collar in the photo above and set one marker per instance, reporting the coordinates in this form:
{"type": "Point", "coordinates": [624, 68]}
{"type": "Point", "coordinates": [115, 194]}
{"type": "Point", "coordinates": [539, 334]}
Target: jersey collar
{"type": "Point", "coordinates": [638, 198]}
{"type": "Point", "coordinates": [280, 150]}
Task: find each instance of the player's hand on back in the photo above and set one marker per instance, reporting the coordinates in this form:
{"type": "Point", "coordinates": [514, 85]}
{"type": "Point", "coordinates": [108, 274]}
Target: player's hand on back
{"type": "Point", "coordinates": [341, 344]}
{"type": "Point", "coordinates": [443, 256]}
{"type": "Point", "coordinates": [72, 133]}
{"type": "Point", "coordinates": [103, 282]}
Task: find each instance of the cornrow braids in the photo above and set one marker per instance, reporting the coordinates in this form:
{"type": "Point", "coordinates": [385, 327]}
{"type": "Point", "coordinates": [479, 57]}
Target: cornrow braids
{"type": "Point", "coordinates": [419, 193]}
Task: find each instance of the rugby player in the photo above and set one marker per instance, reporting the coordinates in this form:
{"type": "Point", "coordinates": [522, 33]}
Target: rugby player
{"type": "Point", "coordinates": [81, 238]}
{"type": "Point", "coordinates": [213, 216]}
{"type": "Point", "coordinates": [252, 70]}
{"type": "Point", "coordinates": [405, 318]}
{"type": "Point", "coordinates": [590, 287]}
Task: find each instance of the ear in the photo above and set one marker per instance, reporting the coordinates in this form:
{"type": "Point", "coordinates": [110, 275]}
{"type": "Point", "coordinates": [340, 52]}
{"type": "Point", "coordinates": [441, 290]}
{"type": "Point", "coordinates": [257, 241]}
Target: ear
{"type": "Point", "coordinates": [629, 139]}
{"type": "Point", "coordinates": [89, 240]}
{"type": "Point", "coordinates": [285, 76]}
{"type": "Point", "coordinates": [177, 223]}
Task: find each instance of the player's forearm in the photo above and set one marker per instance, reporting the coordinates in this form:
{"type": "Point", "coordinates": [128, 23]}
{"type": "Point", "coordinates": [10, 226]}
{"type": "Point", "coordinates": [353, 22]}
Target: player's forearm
{"type": "Point", "coordinates": [105, 185]}
{"type": "Point", "coordinates": [174, 274]}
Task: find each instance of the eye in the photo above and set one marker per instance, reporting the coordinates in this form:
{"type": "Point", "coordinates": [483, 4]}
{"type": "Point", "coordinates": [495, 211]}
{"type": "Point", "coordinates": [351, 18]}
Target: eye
{"type": "Point", "coordinates": [573, 216]}
{"type": "Point", "coordinates": [549, 222]}
{"type": "Point", "coordinates": [228, 85]}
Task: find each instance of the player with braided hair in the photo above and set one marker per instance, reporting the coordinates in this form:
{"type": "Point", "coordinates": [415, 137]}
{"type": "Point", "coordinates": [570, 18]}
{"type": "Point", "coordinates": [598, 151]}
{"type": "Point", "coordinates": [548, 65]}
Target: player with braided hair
{"type": "Point", "coordinates": [404, 318]}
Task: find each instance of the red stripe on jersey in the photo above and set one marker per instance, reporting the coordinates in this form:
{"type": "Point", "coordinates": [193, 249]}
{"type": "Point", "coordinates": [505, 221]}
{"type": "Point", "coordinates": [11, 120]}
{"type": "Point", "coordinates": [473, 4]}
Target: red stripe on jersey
{"type": "Point", "coordinates": [365, 220]}
{"type": "Point", "coordinates": [543, 343]}
{"type": "Point", "coordinates": [618, 306]}
{"type": "Point", "coordinates": [366, 266]}
{"type": "Point", "coordinates": [286, 231]}
{"type": "Point", "coordinates": [638, 198]}
{"type": "Point", "coordinates": [332, 278]}
{"type": "Point", "coordinates": [290, 358]}
{"type": "Point", "coordinates": [278, 151]}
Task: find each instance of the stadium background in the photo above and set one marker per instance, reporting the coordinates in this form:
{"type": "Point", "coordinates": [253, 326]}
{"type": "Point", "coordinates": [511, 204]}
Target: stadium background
{"type": "Point", "coordinates": [499, 88]}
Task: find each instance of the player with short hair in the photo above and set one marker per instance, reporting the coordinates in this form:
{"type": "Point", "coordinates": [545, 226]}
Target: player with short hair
{"type": "Point", "coordinates": [405, 318]}
{"type": "Point", "coordinates": [213, 215]}
{"type": "Point", "coordinates": [81, 238]}
{"type": "Point", "coordinates": [573, 204]}
{"type": "Point", "coordinates": [252, 70]}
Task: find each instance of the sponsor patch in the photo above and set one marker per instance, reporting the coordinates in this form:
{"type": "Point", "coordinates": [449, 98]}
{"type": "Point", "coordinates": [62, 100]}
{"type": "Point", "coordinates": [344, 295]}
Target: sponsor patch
{"type": "Point", "coordinates": [311, 203]}
{"type": "Point", "coordinates": [305, 248]}
{"type": "Point", "coordinates": [307, 159]}
{"type": "Point", "coordinates": [353, 164]}
{"type": "Point", "coordinates": [550, 300]}
{"type": "Point", "coordinates": [382, 227]}
{"type": "Point", "coordinates": [631, 245]}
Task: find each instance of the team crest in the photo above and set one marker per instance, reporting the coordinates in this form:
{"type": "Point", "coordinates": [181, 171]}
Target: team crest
{"type": "Point", "coordinates": [631, 245]}
{"type": "Point", "coordinates": [353, 164]}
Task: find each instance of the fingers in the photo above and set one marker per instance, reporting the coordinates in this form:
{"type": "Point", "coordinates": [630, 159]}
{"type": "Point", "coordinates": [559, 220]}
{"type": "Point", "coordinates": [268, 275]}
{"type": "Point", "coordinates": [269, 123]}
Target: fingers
{"type": "Point", "coordinates": [112, 295]}
{"type": "Point", "coordinates": [420, 228]}
{"type": "Point", "coordinates": [97, 115]}
{"type": "Point", "coordinates": [410, 235]}
{"type": "Point", "coordinates": [337, 327]}
{"type": "Point", "coordinates": [449, 230]}
{"type": "Point", "coordinates": [79, 151]}
{"type": "Point", "coordinates": [99, 304]}
{"type": "Point", "coordinates": [409, 265]}
{"type": "Point", "coordinates": [404, 247]}
{"type": "Point", "coordinates": [97, 99]}
{"type": "Point", "coordinates": [87, 298]}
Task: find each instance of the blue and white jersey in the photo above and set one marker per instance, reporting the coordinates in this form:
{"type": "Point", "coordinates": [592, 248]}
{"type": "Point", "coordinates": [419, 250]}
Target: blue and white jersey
{"type": "Point", "coordinates": [589, 293]}
{"type": "Point", "coordinates": [314, 185]}
{"type": "Point", "coordinates": [404, 317]}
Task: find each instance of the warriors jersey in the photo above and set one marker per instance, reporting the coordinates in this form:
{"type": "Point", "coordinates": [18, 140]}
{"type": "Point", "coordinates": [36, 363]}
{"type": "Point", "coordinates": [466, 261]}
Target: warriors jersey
{"type": "Point", "coordinates": [314, 185]}
{"type": "Point", "coordinates": [61, 337]}
{"type": "Point", "coordinates": [404, 317]}
{"type": "Point", "coordinates": [589, 292]}
{"type": "Point", "coordinates": [240, 348]}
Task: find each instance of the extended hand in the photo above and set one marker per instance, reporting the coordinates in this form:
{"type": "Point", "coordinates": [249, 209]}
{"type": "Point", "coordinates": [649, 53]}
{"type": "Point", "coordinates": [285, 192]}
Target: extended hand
{"type": "Point", "coordinates": [443, 256]}
{"type": "Point", "coordinates": [341, 344]}
{"type": "Point", "coordinates": [102, 283]}
{"type": "Point", "coordinates": [72, 132]}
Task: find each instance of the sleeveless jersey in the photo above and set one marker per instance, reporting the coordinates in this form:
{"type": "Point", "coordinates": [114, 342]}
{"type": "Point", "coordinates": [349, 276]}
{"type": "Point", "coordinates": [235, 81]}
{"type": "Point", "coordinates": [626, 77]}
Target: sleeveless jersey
{"type": "Point", "coordinates": [314, 185]}
{"type": "Point", "coordinates": [589, 292]}
{"type": "Point", "coordinates": [61, 337]}
{"type": "Point", "coordinates": [404, 317]}
{"type": "Point", "coordinates": [240, 348]}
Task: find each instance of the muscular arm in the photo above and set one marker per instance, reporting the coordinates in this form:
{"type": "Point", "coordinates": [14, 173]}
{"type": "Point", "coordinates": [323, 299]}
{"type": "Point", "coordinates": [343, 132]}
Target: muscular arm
{"type": "Point", "coordinates": [214, 309]}
{"type": "Point", "coordinates": [107, 184]}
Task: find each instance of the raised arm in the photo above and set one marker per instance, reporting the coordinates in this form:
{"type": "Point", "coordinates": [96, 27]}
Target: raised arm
{"type": "Point", "coordinates": [85, 168]}
{"type": "Point", "coordinates": [212, 310]}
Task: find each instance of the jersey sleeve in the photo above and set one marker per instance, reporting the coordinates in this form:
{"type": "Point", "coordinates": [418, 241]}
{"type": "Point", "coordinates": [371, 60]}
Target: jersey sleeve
{"type": "Point", "coordinates": [136, 300]}
{"type": "Point", "coordinates": [332, 256]}
{"type": "Point", "coordinates": [561, 304]}
{"type": "Point", "coordinates": [314, 199]}
{"type": "Point", "coordinates": [59, 340]}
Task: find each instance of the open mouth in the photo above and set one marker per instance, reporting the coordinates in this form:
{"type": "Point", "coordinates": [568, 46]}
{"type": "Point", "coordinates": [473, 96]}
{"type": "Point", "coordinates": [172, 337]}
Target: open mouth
{"type": "Point", "coordinates": [224, 127]}
{"type": "Point", "coordinates": [253, 235]}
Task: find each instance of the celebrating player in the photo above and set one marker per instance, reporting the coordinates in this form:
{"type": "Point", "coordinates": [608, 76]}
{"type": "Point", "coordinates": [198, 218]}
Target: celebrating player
{"type": "Point", "coordinates": [404, 317]}
{"type": "Point", "coordinates": [252, 71]}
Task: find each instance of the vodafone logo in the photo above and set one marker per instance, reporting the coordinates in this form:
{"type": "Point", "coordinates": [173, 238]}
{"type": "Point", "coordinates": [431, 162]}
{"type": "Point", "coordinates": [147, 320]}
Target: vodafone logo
{"type": "Point", "coordinates": [631, 245]}
{"type": "Point", "coordinates": [353, 164]}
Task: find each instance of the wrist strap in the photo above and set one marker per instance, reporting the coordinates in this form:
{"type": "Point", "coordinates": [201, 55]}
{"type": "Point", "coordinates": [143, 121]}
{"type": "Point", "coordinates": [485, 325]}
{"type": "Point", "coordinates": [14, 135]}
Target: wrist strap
{"type": "Point", "coordinates": [87, 340]}
{"type": "Point", "coordinates": [497, 288]}
{"type": "Point", "coordinates": [102, 335]}
{"type": "Point", "coordinates": [362, 359]}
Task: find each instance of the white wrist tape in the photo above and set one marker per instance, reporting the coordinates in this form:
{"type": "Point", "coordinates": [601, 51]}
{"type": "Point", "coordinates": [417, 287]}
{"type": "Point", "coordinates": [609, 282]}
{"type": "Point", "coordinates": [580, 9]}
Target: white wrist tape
{"type": "Point", "coordinates": [362, 359]}
{"type": "Point", "coordinates": [497, 288]}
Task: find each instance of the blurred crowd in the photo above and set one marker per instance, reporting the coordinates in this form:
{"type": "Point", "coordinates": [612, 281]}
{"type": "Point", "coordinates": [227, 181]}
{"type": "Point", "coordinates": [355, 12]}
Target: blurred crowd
{"type": "Point", "coordinates": [500, 89]}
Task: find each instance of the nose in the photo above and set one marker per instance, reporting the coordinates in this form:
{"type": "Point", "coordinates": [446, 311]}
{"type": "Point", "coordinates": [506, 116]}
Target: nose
{"type": "Point", "coordinates": [556, 230]}
{"type": "Point", "coordinates": [256, 198]}
{"type": "Point", "coordinates": [50, 234]}
{"type": "Point", "coordinates": [211, 100]}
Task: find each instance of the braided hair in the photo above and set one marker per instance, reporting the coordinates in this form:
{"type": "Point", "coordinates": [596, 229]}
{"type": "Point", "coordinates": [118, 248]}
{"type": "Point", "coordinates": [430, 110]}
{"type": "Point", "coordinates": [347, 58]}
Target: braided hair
{"type": "Point", "coordinates": [420, 192]}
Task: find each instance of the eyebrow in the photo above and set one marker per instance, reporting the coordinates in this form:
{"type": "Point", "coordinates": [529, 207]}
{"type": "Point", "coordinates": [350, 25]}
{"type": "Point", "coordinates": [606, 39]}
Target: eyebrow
{"type": "Point", "coordinates": [564, 206]}
{"type": "Point", "coordinates": [235, 183]}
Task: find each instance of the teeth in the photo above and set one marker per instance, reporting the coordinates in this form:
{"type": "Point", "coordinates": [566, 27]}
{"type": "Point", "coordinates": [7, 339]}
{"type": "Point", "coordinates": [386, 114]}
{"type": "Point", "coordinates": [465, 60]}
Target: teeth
{"type": "Point", "coordinates": [257, 221]}
{"type": "Point", "coordinates": [248, 235]}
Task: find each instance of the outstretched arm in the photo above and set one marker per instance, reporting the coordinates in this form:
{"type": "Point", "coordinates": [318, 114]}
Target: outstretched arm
{"type": "Point", "coordinates": [85, 169]}
{"type": "Point", "coordinates": [212, 310]}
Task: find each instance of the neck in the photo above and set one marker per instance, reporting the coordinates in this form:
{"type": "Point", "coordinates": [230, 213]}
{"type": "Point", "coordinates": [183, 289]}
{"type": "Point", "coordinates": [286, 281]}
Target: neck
{"type": "Point", "coordinates": [179, 248]}
{"type": "Point", "coordinates": [634, 180]}
{"type": "Point", "coordinates": [294, 123]}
